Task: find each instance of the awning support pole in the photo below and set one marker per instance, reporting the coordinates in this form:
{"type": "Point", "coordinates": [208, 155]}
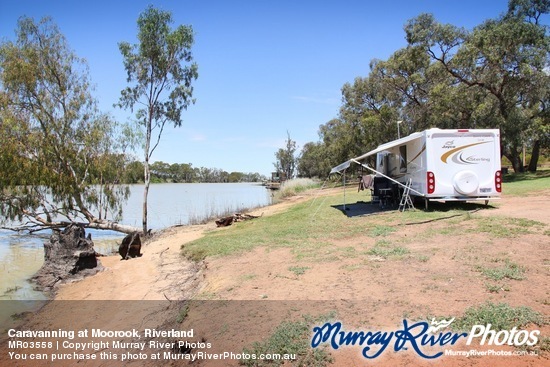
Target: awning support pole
{"type": "Point", "coordinates": [344, 181]}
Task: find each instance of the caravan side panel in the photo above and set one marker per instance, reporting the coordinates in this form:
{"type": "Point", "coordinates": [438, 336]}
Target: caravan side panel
{"type": "Point", "coordinates": [465, 164]}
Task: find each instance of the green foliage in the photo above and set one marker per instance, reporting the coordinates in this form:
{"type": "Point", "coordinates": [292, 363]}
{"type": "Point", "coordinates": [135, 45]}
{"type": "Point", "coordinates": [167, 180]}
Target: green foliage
{"type": "Point", "coordinates": [501, 316]}
{"type": "Point", "coordinates": [501, 59]}
{"type": "Point", "coordinates": [286, 159]}
{"type": "Point", "coordinates": [498, 72]}
{"type": "Point", "coordinates": [290, 337]}
{"type": "Point", "coordinates": [160, 72]}
{"type": "Point", "coordinates": [60, 157]}
{"type": "Point", "coordinates": [313, 161]}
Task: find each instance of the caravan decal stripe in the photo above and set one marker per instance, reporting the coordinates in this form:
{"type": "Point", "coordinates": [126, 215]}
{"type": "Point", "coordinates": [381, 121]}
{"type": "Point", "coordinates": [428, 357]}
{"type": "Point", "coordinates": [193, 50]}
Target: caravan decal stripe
{"type": "Point", "coordinates": [452, 151]}
{"type": "Point", "coordinates": [416, 156]}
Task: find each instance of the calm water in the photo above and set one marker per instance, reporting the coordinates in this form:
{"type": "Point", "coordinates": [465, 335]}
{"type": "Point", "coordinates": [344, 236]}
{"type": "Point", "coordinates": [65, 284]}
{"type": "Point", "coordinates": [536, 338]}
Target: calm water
{"type": "Point", "coordinates": [169, 204]}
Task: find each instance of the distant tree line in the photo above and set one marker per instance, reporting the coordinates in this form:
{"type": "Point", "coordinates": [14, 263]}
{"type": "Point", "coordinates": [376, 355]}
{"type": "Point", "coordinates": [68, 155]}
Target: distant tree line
{"type": "Point", "coordinates": [185, 173]}
{"type": "Point", "coordinates": [494, 76]}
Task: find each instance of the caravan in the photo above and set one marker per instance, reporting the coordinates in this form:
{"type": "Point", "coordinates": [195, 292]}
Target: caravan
{"type": "Point", "coordinates": [439, 165]}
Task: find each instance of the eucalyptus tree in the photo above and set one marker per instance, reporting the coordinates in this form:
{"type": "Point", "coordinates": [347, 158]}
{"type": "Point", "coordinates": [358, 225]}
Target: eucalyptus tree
{"type": "Point", "coordinates": [286, 159]}
{"type": "Point", "coordinates": [314, 161]}
{"type": "Point", "coordinates": [60, 158]}
{"type": "Point", "coordinates": [334, 135]}
{"type": "Point", "coordinates": [160, 71]}
{"type": "Point", "coordinates": [372, 110]}
{"type": "Point", "coordinates": [505, 58]}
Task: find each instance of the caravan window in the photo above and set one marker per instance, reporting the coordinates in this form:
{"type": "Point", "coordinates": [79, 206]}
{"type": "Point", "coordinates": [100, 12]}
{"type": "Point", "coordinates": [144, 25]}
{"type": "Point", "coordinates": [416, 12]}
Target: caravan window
{"type": "Point", "coordinates": [382, 162]}
{"type": "Point", "coordinates": [403, 159]}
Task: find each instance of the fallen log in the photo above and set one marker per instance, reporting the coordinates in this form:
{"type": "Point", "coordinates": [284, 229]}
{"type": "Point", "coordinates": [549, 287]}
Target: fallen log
{"type": "Point", "coordinates": [238, 217]}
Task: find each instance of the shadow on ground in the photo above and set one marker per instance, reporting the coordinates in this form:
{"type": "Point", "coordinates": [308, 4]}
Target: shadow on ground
{"type": "Point", "coordinates": [365, 208]}
{"type": "Point", "coordinates": [362, 208]}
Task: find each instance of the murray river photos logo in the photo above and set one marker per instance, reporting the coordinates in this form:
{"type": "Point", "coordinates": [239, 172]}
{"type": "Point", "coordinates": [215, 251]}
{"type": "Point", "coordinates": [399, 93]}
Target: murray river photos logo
{"type": "Point", "coordinates": [418, 337]}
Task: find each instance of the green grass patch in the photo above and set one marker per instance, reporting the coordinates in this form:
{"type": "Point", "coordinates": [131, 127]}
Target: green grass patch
{"type": "Point", "coordinates": [508, 270]}
{"type": "Point", "coordinates": [381, 230]}
{"type": "Point", "coordinates": [526, 176]}
{"type": "Point", "coordinates": [290, 338]}
{"type": "Point", "coordinates": [496, 288]}
{"type": "Point", "coordinates": [501, 316]}
{"type": "Point", "coordinates": [386, 250]}
{"type": "Point", "coordinates": [505, 227]}
{"type": "Point", "coordinates": [525, 183]}
{"type": "Point", "coordinates": [308, 228]}
{"type": "Point", "coordinates": [314, 229]}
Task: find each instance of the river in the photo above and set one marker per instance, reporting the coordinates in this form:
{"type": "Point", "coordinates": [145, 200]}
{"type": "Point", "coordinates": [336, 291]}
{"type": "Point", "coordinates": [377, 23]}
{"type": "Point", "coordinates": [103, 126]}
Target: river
{"type": "Point", "coordinates": [169, 204]}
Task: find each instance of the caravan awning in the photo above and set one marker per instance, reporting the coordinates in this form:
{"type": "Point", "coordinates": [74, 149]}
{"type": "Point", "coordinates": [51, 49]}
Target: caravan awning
{"type": "Point", "coordinates": [391, 144]}
{"type": "Point", "coordinates": [341, 167]}
{"type": "Point", "coordinates": [380, 148]}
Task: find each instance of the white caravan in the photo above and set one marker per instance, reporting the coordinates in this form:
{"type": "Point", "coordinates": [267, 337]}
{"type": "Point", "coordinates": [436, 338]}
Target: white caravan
{"type": "Point", "coordinates": [442, 165]}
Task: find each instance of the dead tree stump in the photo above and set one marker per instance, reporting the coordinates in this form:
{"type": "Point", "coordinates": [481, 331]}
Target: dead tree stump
{"type": "Point", "coordinates": [130, 246]}
{"type": "Point", "coordinates": [68, 255]}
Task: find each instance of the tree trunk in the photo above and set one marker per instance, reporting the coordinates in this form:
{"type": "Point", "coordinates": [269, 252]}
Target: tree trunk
{"type": "Point", "coordinates": [93, 222]}
{"type": "Point", "coordinates": [147, 170]}
{"type": "Point", "coordinates": [534, 157]}
{"type": "Point", "coordinates": [517, 164]}
{"type": "Point", "coordinates": [145, 194]}
{"type": "Point", "coordinates": [113, 226]}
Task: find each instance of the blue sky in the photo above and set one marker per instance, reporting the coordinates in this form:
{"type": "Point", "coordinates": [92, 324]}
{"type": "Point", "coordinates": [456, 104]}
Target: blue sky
{"type": "Point", "coordinates": [265, 67]}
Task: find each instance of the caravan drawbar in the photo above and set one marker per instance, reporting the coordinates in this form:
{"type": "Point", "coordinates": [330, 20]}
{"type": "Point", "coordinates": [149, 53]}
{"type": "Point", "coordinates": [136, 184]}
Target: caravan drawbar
{"type": "Point", "coordinates": [441, 164]}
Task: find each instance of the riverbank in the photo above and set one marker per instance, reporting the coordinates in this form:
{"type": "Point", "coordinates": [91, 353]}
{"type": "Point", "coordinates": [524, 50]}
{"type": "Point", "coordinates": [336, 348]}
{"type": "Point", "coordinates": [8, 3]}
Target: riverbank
{"type": "Point", "coordinates": [21, 255]}
{"type": "Point", "coordinates": [308, 256]}
{"type": "Point", "coordinates": [161, 273]}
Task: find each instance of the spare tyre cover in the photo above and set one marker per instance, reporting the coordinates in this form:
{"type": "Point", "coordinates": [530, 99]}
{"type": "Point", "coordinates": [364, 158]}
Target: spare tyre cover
{"type": "Point", "coordinates": [466, 182]}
